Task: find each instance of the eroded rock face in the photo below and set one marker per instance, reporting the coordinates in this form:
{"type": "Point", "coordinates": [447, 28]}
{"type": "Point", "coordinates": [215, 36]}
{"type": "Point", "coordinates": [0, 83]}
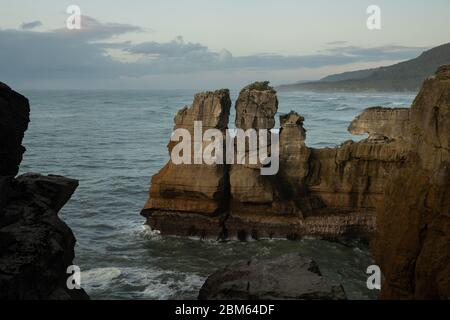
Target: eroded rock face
{"type": "Point", "coordinates": [36, 247]}
{"type": "Point", "coordinates": [212, 108]}
{"type": "Point", "coordinates": [250, 191]}
{"type": "Point", "coordinates": [413, 233]}
{"type": "Point", "coordinates": [286, 277]}
{"type": "Point", "coordinates": [294, 154]}
{"type": "Point", "coordinates": [353, 176]}
{"type": "Point", "coordinates": [379, 123]}
{"type": "Point", "coordinates": [330, 193]}
{"type": "Point", "coordinates": [180, 190]}
{"type": "Point", "coordinates": [256, 109]}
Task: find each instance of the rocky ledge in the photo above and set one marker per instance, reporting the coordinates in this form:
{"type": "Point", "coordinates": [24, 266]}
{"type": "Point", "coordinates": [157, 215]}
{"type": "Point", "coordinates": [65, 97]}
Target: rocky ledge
{"type": "Point", "coordinates": [36, 247]}
{"type": "Point", "coordinates": [288, 277]}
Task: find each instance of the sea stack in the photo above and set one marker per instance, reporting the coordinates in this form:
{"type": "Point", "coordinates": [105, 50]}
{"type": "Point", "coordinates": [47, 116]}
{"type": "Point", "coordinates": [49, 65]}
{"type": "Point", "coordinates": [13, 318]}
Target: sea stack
{"type": "Point", "coordinates": [329, 193]}
{"type": "Point", "coordinates": [182, 194]}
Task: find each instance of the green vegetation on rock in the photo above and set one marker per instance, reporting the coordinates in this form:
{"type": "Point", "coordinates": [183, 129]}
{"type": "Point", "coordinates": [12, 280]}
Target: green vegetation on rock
{"type": "Point", "coordinates": [258, 86]}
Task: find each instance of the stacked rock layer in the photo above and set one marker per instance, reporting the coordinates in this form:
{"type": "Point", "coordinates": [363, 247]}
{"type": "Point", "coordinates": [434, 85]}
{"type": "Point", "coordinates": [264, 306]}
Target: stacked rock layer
{"type": "Point", "coordinates": [330, 193]}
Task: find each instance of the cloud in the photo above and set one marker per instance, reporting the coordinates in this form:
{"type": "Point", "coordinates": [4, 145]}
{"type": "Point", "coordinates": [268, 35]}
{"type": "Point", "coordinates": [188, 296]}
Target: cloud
{"type": "Point", "coordinates": [186, 56]}
{"type": "Point", "coordinates": [92, 29]}
{"type": "Point", "coordinates": [387, 52]}
{"type": "Point", "coordinates": [91, 53]}
{"type": "Point", "coordinates": [336, 43]}
{"type": "Point", "coordinates": [31, 25]}
{"type": "Point", "coordinates": [176, 48]}
{"type": "Point", "coordinates": [225, 56]}
{"type": "Point", "coordinates": [62, 53]}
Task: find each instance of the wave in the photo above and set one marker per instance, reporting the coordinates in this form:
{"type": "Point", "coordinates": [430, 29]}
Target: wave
{"type": "Point", "coordinates": [172, 288]}
{"type": "Point", "coordinates": [344, 108]}
{"type": "Point", "coordinates": [99, 278]}
{"type": "Point", "coordinates": [146, 232]}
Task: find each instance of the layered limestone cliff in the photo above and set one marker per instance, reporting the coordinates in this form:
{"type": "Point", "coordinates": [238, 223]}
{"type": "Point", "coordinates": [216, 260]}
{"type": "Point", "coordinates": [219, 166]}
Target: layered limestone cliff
{"type": "Point", "coordinates": [330, 193]}
{"type": "Point", "coordinates": [413, 235]}
{"type": "Point", "coordinates": [184, 193]}
{"type": "Point", "coordinates": [36, 247]}
{"type": "Point", "coordinates": [381, 123]}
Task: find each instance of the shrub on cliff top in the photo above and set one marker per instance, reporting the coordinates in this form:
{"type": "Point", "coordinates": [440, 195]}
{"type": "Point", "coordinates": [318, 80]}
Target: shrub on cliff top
{"type": "Point", "coordinates": [259, 86]}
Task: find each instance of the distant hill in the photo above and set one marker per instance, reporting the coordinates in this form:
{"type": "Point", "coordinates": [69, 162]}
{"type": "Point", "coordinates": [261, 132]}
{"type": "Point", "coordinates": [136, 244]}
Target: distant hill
{"type": "Point", "coordinates": [403, 76]}
{"type": "Point", "coordinates": [351, 75]}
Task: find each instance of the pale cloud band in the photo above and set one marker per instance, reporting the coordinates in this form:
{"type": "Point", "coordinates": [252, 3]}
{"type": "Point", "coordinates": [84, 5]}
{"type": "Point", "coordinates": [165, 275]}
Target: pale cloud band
{"type": "Point", "coordinates": [92, 53]}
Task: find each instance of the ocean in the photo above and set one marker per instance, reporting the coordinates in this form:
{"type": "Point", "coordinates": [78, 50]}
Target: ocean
{"type": "Point", "coordinates": [114, 141]}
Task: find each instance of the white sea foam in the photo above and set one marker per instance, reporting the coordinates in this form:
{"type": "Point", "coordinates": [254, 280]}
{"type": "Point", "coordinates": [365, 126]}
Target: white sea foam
{"type": "Point", "coordinates": [164, 287]}
{"type": "Point", "coordinates": [149, 283]}
{"type": "Point", "coordinates": [99, 278]}
{"type": "Point", "coordinates": [158, 284]}
{"type": "Point", "coordinates": [146, 232]}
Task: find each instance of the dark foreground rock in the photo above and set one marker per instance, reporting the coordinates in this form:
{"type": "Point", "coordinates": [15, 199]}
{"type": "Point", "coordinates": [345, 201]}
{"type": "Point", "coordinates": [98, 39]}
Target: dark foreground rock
{"type": "Point", "coordinates": [286, 277]}
{"type": "Point", "coordinates": [14, 119]}
{"type": "Point", "coordinates": [36, 247]}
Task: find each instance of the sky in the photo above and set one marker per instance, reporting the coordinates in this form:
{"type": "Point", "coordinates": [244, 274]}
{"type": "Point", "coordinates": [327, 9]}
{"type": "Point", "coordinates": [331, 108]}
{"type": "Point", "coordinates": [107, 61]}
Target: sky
{"type": "Point", "coordinates": [200, 44]}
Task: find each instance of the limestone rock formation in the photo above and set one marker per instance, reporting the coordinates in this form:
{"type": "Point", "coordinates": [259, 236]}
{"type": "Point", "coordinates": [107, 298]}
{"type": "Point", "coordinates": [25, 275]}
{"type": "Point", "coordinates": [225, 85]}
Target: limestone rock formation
{"type": "Point", "coordinates": [286, 277]}
{"type": "Point", "coordinates": [212, 108]}
{"type": "Point", "coordinates": [256, 108]}
{"type": "Point", "coordinates": [352, 176]}
{"type": "Point", "coordinates": [382, 123]}
{"type": "Point", "coordinates": [36, 247]}
{"type": "Point", "coordinates": [294, 159]}
{"type": "Point", "coordinates": [413, 233]}
{"type": "Point", "coordinates": [329, 193]}
{"type": "Point", "coordinates": [250, 191]}
{"type": "Point", "coordinates": [181, 190]}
